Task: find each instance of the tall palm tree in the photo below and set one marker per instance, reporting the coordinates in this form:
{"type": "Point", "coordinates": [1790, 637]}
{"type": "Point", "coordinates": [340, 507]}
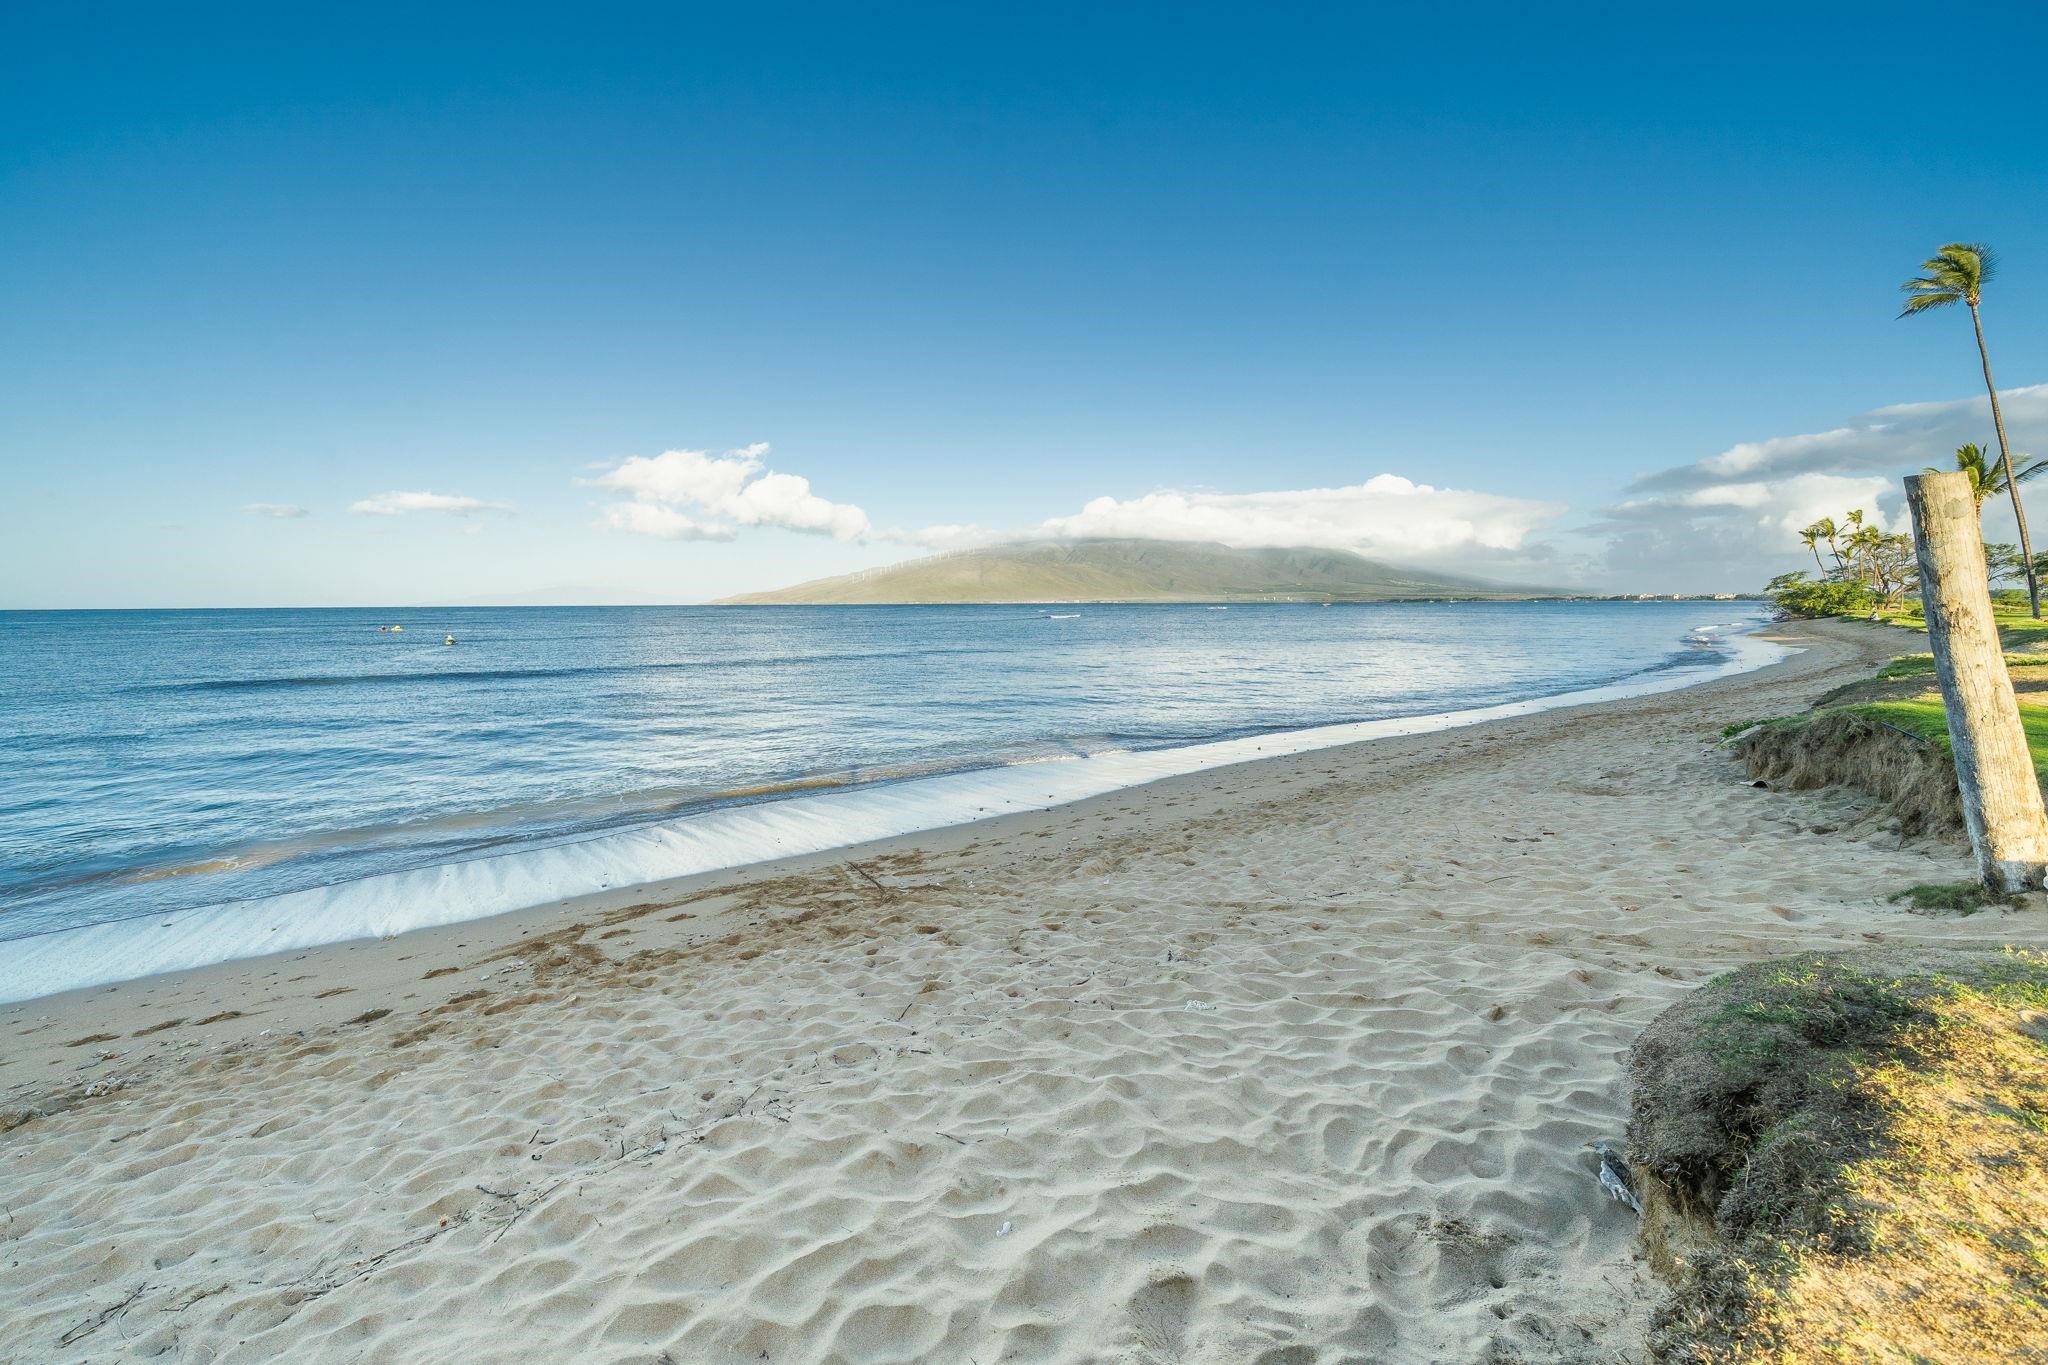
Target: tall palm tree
{"type": "Point", "coordinates": [1864, 542]}
{"type": "Point", "coordinates": [1810, 538]}
{"type": "Point", "coordinates": [1824, 529]}
{"type": "Point", "coordinates": [1853, 541]}
{"type": "Point", "coordinates": [1957, 274]}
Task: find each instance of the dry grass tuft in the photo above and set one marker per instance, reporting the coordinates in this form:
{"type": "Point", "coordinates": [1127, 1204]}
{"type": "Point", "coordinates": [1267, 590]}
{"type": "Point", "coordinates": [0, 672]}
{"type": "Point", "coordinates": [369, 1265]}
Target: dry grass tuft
{"type": "Point", "coordinates": [1847, 1158]}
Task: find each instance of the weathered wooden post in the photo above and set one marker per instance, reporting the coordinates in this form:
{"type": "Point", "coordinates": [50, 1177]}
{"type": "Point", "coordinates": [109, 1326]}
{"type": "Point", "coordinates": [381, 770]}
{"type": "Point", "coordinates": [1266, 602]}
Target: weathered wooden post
{"type": "Point", "coordinates": [2001, 796]}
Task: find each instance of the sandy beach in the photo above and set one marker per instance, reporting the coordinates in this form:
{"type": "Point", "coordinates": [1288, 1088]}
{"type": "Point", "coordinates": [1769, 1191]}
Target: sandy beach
{"type": "Point", "coordinates": [1295, 1061]}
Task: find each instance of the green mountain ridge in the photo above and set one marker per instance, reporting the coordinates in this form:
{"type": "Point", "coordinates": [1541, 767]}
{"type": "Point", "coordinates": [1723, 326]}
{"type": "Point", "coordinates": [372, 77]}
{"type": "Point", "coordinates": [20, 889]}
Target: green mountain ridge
{"type": "Point", "coordinates": [1110, 570]}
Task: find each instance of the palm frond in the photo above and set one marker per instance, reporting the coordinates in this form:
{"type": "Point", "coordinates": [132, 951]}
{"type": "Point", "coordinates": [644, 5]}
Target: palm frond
{"type": "Point", "coordinates": [1921, 303]}
{"type": "Point", "coordinates": [1975, 258]}
{"type": "Point", "coordinates": [1954, 274]}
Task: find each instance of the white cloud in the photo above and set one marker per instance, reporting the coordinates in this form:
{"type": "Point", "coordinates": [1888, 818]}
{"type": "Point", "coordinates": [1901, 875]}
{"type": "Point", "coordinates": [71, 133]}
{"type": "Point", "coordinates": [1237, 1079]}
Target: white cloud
{"type": "Point", "coordinates": [1734, 535]}
{"type": "Point", "coordinates": [953, 536]}
{"type": "Point", "coordinates": [652, 519]}
{"type": "Point", "coordinates": [786, 500]}
{"type": "Point", "coordinates": [274, 509]}
{"type": "Point", "coordinates": [1386, 516]}
{"type": "Point", "coordinates": [397, 504]}
{"type": "Point", "coordinates": [680, 477]}
{"type": "Point", "coordinates": [1734, 517]}
{"type": "Point", "coordinates": [1787, 505]}
{"type": "Point", "coordinates": [1904, 437]}
{"type": "Point", "coordinates": [1728, 520]}
{"type": "Point", "coordinates": [735, 489]}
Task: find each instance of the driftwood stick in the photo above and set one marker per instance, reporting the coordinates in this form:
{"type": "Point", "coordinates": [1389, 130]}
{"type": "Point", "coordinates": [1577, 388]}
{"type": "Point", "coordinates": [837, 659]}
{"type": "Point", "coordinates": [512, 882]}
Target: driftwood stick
{"type": "Point", "coordinates": [102, 1318]}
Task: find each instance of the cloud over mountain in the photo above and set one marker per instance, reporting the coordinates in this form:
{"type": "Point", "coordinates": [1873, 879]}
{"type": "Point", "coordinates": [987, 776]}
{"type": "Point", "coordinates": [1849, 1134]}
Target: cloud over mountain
{"type": "Point", "coordinates": [1730, 519]}
{"type": "Point", "coordinates": [1385, 516]}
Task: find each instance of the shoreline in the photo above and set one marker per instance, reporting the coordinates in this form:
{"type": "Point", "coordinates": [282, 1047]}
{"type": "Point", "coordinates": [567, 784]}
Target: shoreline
{"type": "Point", "coordinates": [720, 839]}
{"type": "Point", "coordinates": [1297, 1059]}
{"type": "Point", "coordinates": [497, 931]}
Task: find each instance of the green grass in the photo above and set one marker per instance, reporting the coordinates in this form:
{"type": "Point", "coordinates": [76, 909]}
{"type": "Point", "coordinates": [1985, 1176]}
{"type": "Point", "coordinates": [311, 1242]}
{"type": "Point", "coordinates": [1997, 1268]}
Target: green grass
{"type": "Point", "coordinates": [2009, 609]}
{"type": "Point", "coordinates": [1924, 716]}
{"type": "Point", "coordinates": [1905, 618]}
{"type": "Point", "coordinates": [1922, 665]}
{"type": "Point", "coordinates": [1908, 666]}
{"type": "Point", "coordinates": [1964, 898]}
{"type": "Point", "coordinates": [1927, 718]}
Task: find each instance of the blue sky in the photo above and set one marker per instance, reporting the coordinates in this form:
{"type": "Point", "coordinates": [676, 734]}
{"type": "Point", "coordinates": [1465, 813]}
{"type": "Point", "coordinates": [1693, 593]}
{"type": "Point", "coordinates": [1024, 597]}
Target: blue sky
{"type": "Point", "coordinates": [965, 269]}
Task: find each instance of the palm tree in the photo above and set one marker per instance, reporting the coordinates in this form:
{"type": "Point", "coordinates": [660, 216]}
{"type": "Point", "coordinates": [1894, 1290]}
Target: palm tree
{"type": "Point", "coordinates": [1864, 542]}
{"type": "Point", "coordinates": [1957, 274]}
{"type": "Point", "coordinates": [1824, 529]}
{"type": "Point", "coordinates": [1986, 477]}
{"type": "Point", "coordinates": [1810, 538]}
{"type": "Point", "coordinates": [1972, 461]}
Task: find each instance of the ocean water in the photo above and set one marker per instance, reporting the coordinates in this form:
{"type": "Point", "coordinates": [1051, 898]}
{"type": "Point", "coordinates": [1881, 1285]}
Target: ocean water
{"type": "Point", "coordinates": [181, 773]}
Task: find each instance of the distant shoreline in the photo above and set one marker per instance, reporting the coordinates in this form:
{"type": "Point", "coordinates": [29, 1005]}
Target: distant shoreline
{"type": "Point", "coordinates": [1278, 601]}
{"type": "Point", "coordinates": [1037, 602]}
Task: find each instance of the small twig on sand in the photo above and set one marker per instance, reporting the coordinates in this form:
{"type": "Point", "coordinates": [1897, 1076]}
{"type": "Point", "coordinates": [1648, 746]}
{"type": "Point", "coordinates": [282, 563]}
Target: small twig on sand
{"type": "Point", "coordinates": [872, 881]}
{"type": "Point", "coordinates": [520, 1210]}
{"type": "Point", "coordinates": [373, 1264]}
{"type": "Point", "coordinates": [906, 1011]}
{"type": "Point", "coordinates": [195, 1297]}
{"type": "Point", "coordinates": [103, 1317]}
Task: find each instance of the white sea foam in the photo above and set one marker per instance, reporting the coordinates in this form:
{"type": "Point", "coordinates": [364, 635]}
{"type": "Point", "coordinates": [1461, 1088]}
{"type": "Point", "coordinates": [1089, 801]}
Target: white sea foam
{"type": "Point", "coordinates": [707, 841]}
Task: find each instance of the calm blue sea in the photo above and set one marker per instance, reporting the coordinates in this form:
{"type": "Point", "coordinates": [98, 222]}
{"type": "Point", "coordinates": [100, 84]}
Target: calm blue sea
{"type": "Point", "coordinates": [155, 761]}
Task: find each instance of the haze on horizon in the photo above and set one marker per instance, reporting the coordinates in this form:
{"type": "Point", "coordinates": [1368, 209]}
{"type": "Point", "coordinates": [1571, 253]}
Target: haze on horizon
{"type": "Point", "coordinates": [496, 306]}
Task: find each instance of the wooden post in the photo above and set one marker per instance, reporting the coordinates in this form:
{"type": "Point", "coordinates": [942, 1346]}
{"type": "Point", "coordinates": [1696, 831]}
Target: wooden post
{"type": "Point", "coordinates": [2001, 795]}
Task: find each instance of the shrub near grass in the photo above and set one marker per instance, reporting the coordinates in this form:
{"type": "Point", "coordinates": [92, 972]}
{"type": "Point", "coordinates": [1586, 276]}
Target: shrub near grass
{"type": "Point", "coordinates": [1861, 1143]}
